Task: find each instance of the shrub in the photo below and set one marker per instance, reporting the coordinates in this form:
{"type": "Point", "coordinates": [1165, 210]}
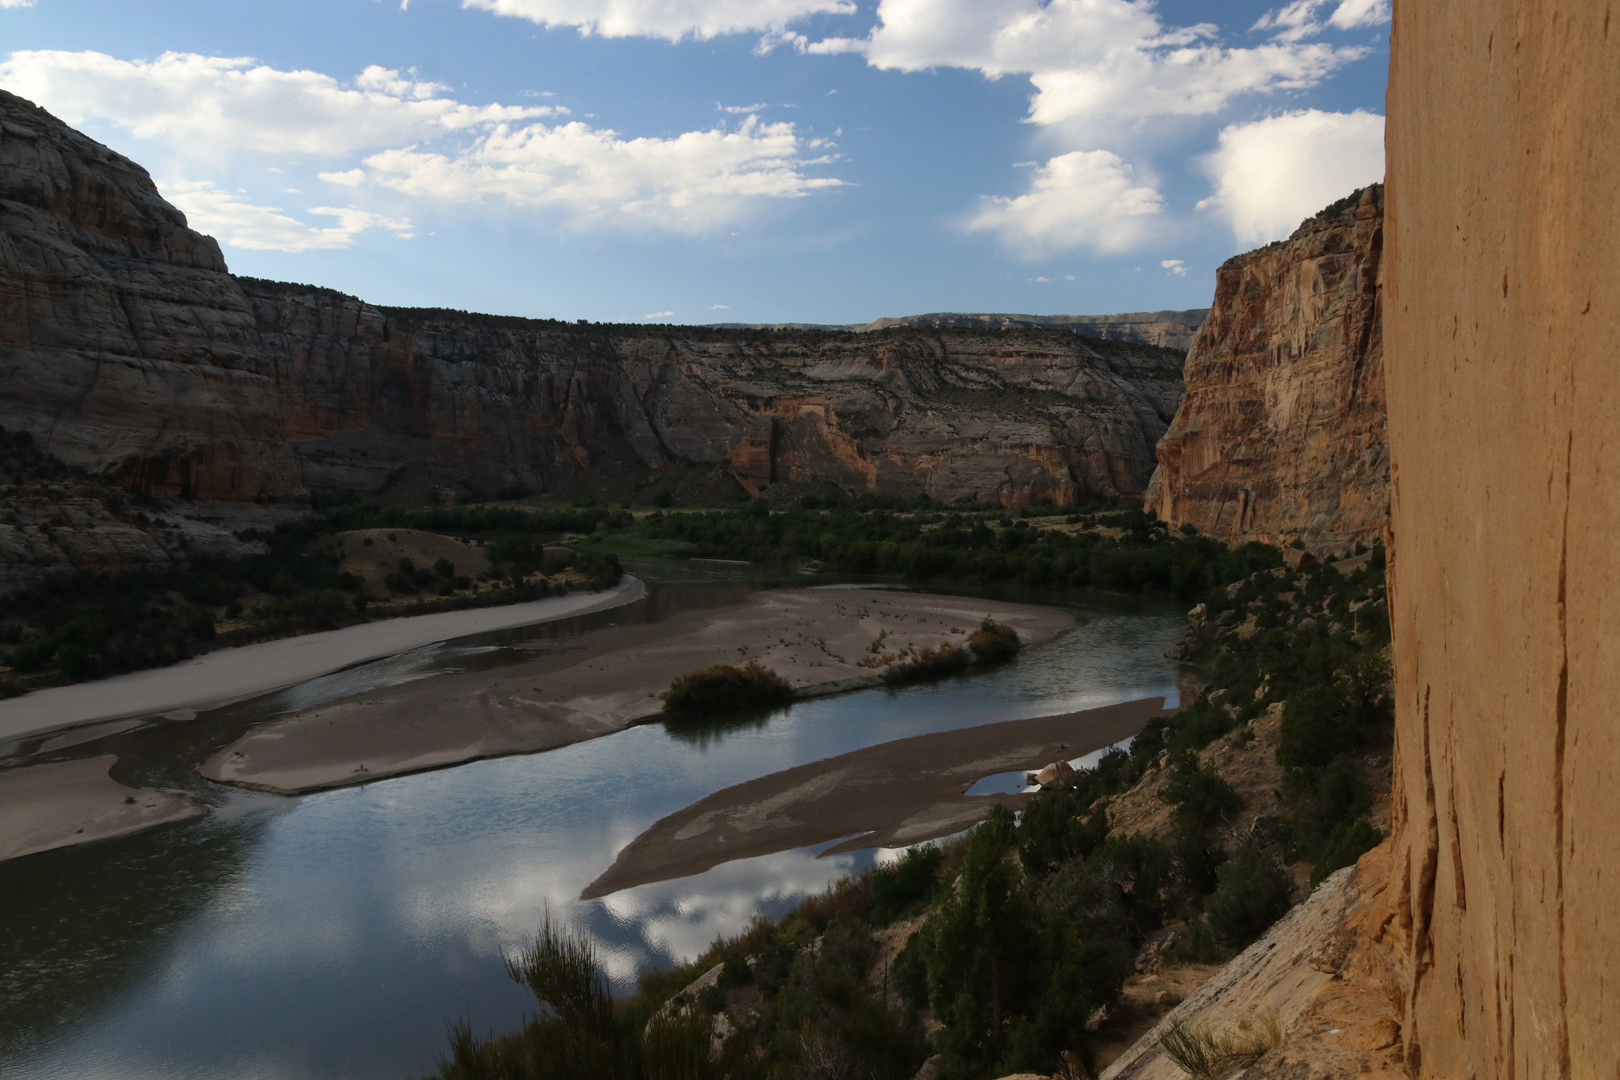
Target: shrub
{"type": "Point", "coordinates": [724, 688]}
{"type": "Point", "coordinates": [929, 664]}
{"type": "Point", "coordinates": [902, 885]}
{"type": "Point", "coordinates": [1200, 796]}
{"type": "Point", "coordinates": [1253, 893]}
{"type": "Point", "coordinates": [993, 641]}
{"type": "Point", "coordinates": [1344, 846]}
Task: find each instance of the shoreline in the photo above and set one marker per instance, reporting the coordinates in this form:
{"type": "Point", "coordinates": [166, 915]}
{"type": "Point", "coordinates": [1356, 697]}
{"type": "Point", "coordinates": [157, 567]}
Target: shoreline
{"type": "Point", "coordinates": [68, 803]}
{"type": "Point", "coordinates": [893, 794]}
{"type": "Point", "coordinates": [607, 681]}
{"type": "Point", "coordinates": [231, 674]}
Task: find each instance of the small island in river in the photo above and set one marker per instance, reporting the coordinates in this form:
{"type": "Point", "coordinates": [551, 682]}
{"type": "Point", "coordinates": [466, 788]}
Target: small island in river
{"type": "Point", "coordinates": [819, 640]}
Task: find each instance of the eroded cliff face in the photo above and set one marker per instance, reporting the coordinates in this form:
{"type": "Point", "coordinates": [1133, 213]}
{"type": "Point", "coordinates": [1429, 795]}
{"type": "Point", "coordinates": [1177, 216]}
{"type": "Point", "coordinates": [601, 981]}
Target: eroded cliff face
{"type": "Point", "coordinates": [1503, 325]}
{"type": "Point", "coordinates": [125, 346]}
{"type": "Point", "coordinates": [1282, 432]}
{"type": "Point", "coordinates": [1007, 417]}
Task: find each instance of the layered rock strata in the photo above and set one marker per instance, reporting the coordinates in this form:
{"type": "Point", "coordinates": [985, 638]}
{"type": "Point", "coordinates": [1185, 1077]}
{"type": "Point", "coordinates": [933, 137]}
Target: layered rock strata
{"type": "Point", "coordinates": [1502, 330]}
{"type": "Point", "coordinates": [125, 345]}
{"type": "Point", "coordinates": [128, 349]}
{"type": "Point", "coordinates": [1281, 436]}
{"type": "Point", "coordinates": [1009, 417]}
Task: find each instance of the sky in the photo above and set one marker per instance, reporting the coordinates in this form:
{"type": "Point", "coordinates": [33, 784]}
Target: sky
{"type": "Point", "coordinates": [695, 161]}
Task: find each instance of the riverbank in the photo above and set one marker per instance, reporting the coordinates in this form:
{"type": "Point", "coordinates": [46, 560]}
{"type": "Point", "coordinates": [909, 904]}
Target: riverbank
{"type": "Point", "coordinates": [76, 802]}
{"type": "Point", "coordinates": [819, 640]}
{"type": "Point", "coordinates": [232, 674]}
{"type": "Point", "coordinates": [891, 795]}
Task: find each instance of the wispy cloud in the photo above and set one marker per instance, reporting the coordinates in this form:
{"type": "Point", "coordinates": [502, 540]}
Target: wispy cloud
{"type": "Point", "coordinates": [658, 315]}
{"type": "Point", "coordinates": [1174, 266]}
{"type": "Point", "coordinates": [671, 20]}
{"type": "Point", "coordinates": [233, 219]}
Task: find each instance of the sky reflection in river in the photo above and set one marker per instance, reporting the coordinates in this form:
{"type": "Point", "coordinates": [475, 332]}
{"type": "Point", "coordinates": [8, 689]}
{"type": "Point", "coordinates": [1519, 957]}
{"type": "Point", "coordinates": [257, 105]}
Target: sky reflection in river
{"type": "Point", "coordinates": [354, 923]}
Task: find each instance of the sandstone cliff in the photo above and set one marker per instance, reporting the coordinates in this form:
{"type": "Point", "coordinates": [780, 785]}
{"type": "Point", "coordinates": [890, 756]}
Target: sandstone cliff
{"type": "Point", "coordinates": [125, 346]}
{"type": "Point", "coordinates": [1282, 433]}
{"type": "Point", "coordinates": [1504, 291]}
{"type": "Point", "coordinates": [1007, 417]}
{"type": "Point", "coordinates": [128, 349]}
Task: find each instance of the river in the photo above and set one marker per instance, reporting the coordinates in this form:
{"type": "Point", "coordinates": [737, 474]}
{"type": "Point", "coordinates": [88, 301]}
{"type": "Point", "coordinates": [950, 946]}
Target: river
{"type": "Point", "coordinates": [333, 935]}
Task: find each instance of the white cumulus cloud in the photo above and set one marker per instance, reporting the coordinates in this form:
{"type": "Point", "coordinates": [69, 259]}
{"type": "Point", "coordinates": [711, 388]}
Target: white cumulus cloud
{"type": "Point", "coordinates": [1079, 199]}
{"type": "Point", "coordinates": [1092, 61]}
{"type": "Point", "coordinates": [215, 105]}
{"type": "Point", "coordinates": [1174, 266]}
{"type": "Point", "coordinates": [16, 3]}
{"type": "Point", "coordinates": [668, 19]}
{"type": "Point", "coordinates": [1271, 174]}
{"type": "Point", "coordinates": [401, 132]}
{"type": "Point", "coordinates": [233, 219]}
{"type": "Point", "coordinates": [658, 315]}
{"type": "Point", "coordinates": [688, 183]}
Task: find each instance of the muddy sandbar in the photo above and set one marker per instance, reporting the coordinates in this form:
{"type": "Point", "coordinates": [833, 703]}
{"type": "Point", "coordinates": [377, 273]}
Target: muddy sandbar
{"type": "Point", "coordinates": [226, 675]}
{"type": "Point", "coordinates": [820, 640]}
{"type": "Point", "coordinates": [74, 802]}
{"type": "Point", "coordinates": [890, 795]}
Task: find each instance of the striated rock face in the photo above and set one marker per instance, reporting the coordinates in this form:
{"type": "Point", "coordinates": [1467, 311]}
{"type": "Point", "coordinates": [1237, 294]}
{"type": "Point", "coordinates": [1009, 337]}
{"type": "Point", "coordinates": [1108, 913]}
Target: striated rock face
{"type": "Point", "coordinates": [1282, 432]}
{"type": "Point", "coordinates": [125, 346]}
{"type": "Point", "coordinates": [1503, 328]}
{"type": "Point", "coordinates": [1168, 329]}
{"type": "Point", "coordinates": [1011, 417]}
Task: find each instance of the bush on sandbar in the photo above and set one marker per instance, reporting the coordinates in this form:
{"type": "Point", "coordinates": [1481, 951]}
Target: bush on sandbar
{"type": "Point", "coordinates": [993, 642]}
{"type": "Point", "coordinates": [929, 664]}
{"type": "Point", "coordinates": [724, 688]}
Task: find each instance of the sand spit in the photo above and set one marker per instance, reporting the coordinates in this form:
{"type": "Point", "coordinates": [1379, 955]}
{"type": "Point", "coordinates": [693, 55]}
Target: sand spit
{"type": "Point", "coordinates": [74, 802]}
{"type": "Point", "coordinates": [820, 640]}
{"type": "Point", "coordinates": [893, 794]}
{"type": "Point", "coordinates": [227, 675]}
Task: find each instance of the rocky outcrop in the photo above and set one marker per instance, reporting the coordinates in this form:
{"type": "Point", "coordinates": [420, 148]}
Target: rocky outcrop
{"type": "Point", "coordinates": [1503, 324]}
{"type": "Point", "coordinates": [1282, 433]}
{"type": "Point", "coordinates": [368, 392]}
{"type": "Point", "coordinates": [130, 351]}
{"type": "Point", "coordinates": [125, 346]}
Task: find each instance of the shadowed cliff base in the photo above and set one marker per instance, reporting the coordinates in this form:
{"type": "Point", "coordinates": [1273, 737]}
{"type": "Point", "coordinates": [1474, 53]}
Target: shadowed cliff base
{"type": "Point", "coordinates": [892, 795]}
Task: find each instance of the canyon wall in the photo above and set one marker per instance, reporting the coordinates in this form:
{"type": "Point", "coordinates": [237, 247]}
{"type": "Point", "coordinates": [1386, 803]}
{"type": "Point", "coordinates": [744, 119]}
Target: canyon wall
{"type": "Point", "coordinates": [1503, 328]}
{"type": "Point", "coordinates": [1282, 433]}
{"type": "Point", "coordinates": [1008, 417]}
{"type": "Point", "coordinates": [125, 346]}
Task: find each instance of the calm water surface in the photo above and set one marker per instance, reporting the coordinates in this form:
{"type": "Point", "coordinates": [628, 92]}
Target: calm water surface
{"type": "Point", "coordinates": [333, 935]}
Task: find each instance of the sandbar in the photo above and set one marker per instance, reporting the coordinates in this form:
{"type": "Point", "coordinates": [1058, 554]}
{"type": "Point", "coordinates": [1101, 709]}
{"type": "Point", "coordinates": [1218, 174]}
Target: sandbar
{"type": "Point", "coordinates": [74, 802]}
{"type": "Point", "coordinates": [891, 795]}
{"type": "Point", "coordinates": [819, 640]}
{"type": "Point", "coordinates": [227, 675]}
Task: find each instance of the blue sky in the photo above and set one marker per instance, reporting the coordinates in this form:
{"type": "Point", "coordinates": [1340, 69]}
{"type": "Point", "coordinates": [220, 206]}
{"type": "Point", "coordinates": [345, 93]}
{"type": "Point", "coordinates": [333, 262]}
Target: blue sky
{"type": "Point", "coordinates": [727, 160]}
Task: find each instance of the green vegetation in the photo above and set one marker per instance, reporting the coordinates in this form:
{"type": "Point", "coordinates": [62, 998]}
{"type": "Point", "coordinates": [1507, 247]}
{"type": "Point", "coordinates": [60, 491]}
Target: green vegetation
{"type": "Point", "coordinates": [725, 688]}
{"type": "Point", "coordinates": [1116, 546]}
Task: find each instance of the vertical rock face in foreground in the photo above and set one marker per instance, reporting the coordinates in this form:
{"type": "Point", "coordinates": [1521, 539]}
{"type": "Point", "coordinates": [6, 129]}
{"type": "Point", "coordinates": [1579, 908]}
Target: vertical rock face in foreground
{"type": "Point", "coordinates": [1282, 433]}
{"type": "Point", "coordinates": [1503, 332]}
{"type": "Point", "coordinates": [125, 346]}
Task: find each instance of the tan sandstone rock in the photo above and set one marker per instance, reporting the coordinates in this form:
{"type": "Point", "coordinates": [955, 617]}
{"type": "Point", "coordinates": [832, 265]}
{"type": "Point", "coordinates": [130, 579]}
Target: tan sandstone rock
{"type": "Point", "coordinates": [1282, 433]}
